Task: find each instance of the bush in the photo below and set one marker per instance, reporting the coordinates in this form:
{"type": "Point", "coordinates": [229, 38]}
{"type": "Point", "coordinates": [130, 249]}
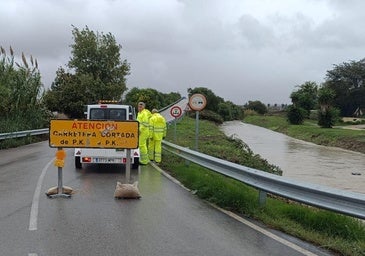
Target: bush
{"type": "Point", "coordinates": [257, 106]}
{"type": "Point", "coordinates": [313, 115]}
{"type": "Point", "coordinates": [328, 118]}
{"type": "Point", "coordinates": [209, 115]}
{"type": "Point", "coordinates": [296, 115]}
{"type": "Point", "coordinates": [250, 112]}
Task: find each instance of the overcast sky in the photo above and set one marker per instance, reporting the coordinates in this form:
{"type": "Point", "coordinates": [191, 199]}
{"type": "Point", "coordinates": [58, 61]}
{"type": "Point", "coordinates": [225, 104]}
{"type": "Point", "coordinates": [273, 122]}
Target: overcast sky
{"type": "Point", "coordinates": [240, 49]}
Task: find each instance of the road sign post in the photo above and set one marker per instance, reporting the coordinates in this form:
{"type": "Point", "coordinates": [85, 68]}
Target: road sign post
{"type": "Point", "coordinates": [175, 112]}
{"type": "Point", "coordinates": [197, 102]}
{"type": "Point", "coordinates": [59, 162]}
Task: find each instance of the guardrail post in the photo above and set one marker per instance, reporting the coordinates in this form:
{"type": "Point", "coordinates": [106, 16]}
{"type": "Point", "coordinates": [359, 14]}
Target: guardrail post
{"type": "Point", "coordinates": [187, 162]}
{"type": "Point", "coordinates": [262, 197]}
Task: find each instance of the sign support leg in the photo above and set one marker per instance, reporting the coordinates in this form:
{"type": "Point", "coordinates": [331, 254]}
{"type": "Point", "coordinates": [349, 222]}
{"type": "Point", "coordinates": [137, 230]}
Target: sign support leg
{"type": "Point", "coordinates": [128, 166]}
{"type": "Point", "coordinates": [196, 129]}
{"type": "Point", "coordinates": [175, 130]}
{"type": "Point", "coordinates": [60, 185]}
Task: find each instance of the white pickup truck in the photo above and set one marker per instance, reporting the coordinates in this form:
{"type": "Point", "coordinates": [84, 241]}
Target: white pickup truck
{"type": "Point", "coordinates": [107, 111]}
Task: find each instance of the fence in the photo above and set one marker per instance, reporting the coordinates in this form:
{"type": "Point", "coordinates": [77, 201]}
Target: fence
{"type": "Point", "coordinates": [12, 135]}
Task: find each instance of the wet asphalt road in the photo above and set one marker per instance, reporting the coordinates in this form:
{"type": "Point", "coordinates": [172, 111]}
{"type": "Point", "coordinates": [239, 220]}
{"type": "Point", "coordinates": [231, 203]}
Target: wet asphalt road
{"type": "Point", "coordinates": [167, 220]}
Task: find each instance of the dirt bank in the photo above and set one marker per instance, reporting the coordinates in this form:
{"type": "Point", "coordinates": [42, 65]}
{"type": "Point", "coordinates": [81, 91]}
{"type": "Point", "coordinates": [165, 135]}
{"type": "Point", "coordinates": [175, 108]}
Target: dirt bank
{"type": "Point", "coordinates": [354, 145]}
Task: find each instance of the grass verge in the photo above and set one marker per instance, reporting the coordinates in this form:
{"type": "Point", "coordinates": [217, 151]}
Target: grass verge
{"type": "Point", "coordinates": [309, 131]}
{"type": "Point", "coordinates": [338, 233]}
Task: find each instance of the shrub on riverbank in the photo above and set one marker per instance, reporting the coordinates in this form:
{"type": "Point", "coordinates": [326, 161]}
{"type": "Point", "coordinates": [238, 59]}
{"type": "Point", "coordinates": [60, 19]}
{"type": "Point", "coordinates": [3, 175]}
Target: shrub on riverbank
{"type": "Point", "coordinates": [329, 230]}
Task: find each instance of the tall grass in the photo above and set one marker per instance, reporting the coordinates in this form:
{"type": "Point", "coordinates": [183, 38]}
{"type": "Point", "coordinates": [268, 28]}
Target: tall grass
{"type": "Point", "coordinates": [21, 93]}
{"type": "Point", "coordinates": [21, 97]}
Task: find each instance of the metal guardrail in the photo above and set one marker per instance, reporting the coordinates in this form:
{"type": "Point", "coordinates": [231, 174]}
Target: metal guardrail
{"type": "Point", "coordinates": [341, 201]}
{"type": "Point", "coordinates": [12, 135]}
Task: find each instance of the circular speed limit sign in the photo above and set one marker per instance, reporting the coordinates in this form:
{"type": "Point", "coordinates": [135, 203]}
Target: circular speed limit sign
{"type": "Point", "coordinates": [175, 111]}
{"type": "Point", "coordinates": [197, 102]}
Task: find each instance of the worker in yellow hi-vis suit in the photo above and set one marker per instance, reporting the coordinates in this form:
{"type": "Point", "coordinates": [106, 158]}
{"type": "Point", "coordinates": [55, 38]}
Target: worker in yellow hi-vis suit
{"type": "Point", "coordinates": [157, 133]}
{"type": "Point", "coordinates": [144, 131]}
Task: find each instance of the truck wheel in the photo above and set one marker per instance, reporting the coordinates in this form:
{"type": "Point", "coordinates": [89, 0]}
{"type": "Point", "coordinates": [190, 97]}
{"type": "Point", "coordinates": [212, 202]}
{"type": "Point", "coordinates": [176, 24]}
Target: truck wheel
{"type": "Point", "coordinates": [136, 163]}
{"type": "Point", "coordinates": [78, 164]}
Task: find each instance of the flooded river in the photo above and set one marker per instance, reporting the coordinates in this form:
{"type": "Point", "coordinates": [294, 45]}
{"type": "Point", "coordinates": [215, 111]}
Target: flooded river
{"type": "Point", "coordinates": [303, 161]}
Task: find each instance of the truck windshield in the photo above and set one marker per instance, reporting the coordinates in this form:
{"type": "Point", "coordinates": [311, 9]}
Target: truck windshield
{"type": "Point", "coordinates": [108, 114]}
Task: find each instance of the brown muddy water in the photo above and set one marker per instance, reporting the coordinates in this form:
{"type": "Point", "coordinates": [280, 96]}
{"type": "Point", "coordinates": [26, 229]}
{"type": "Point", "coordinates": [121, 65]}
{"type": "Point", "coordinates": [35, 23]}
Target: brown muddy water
{"type": "Point", "coordinates": [303, 161]}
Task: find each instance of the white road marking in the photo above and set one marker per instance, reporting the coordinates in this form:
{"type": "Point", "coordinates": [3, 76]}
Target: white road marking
{"type": "Point", "coordinates": [33, 220]}
{"type": "Point", "coordinates": [32, 254]}
{"type": "Point", "coordinates": [267, 233]}
{"type": "Point", "coordinates": [242, 220]}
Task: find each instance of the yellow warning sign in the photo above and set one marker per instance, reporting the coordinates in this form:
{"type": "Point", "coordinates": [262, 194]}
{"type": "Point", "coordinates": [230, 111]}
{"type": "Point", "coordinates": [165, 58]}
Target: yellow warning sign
{"type": "Point", "coordinates": [93, 134]}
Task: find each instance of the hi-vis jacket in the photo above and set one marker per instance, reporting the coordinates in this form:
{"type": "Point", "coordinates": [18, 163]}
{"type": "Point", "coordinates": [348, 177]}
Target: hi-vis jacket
{"type": "Point", "coordinates": [157, 126]}
{"type": "Point", "coordinates": [143, 119]}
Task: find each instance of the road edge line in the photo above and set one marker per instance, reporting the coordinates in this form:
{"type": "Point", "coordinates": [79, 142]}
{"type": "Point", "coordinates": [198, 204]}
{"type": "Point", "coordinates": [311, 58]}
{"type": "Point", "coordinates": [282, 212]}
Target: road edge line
{"type": "Point", "coordinates": [242, 220]}
{"type": "Point", "coordinates": [33, 219]}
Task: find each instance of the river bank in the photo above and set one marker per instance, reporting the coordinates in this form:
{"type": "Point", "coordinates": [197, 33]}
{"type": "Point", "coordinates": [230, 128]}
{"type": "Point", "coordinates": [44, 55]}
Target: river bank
{"type": "Point", "coordinates": [350, 137]}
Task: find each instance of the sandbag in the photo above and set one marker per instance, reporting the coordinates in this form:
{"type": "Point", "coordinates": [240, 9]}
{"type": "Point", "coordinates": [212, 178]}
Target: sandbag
{"type": "Point", "coordinates": [53, 190]}
{"type": "Point", "coordinates": [127, 191]}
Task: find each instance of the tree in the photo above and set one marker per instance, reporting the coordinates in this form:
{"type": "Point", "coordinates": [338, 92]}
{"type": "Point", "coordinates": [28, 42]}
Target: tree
{"type": "Point", "coordinates": [99, 55]}
{"type": "Point", "coordinates": [305, 97]}
{"type": "Point", "coordinates": [151, 97]}
{"type": "Point", "coordinates": [257, 106]}
{"type": "Point", "coordinates": [327, 115]}
{"type": "Point", "coordinates": [347, 80]}
{"type": "Point", "coordinates": [96, 72]}
{"type": "Point", "coordinates": [70, 93]}
{"type": "Point", "coordinates": [229, 111]}
{"type": "Point", "coordinates": [225, 111]}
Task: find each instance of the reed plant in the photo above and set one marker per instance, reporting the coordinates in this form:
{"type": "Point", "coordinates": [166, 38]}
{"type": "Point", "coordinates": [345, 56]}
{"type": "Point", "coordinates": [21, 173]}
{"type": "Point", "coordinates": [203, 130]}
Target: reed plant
{"type": "Point", "coordinates": [21, 93]}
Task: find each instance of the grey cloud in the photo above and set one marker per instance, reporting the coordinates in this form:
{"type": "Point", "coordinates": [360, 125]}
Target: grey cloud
{"type": "Point", "coordinates": [240, 49]}
{"type": "Point", "coordinates": [254, 34]}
